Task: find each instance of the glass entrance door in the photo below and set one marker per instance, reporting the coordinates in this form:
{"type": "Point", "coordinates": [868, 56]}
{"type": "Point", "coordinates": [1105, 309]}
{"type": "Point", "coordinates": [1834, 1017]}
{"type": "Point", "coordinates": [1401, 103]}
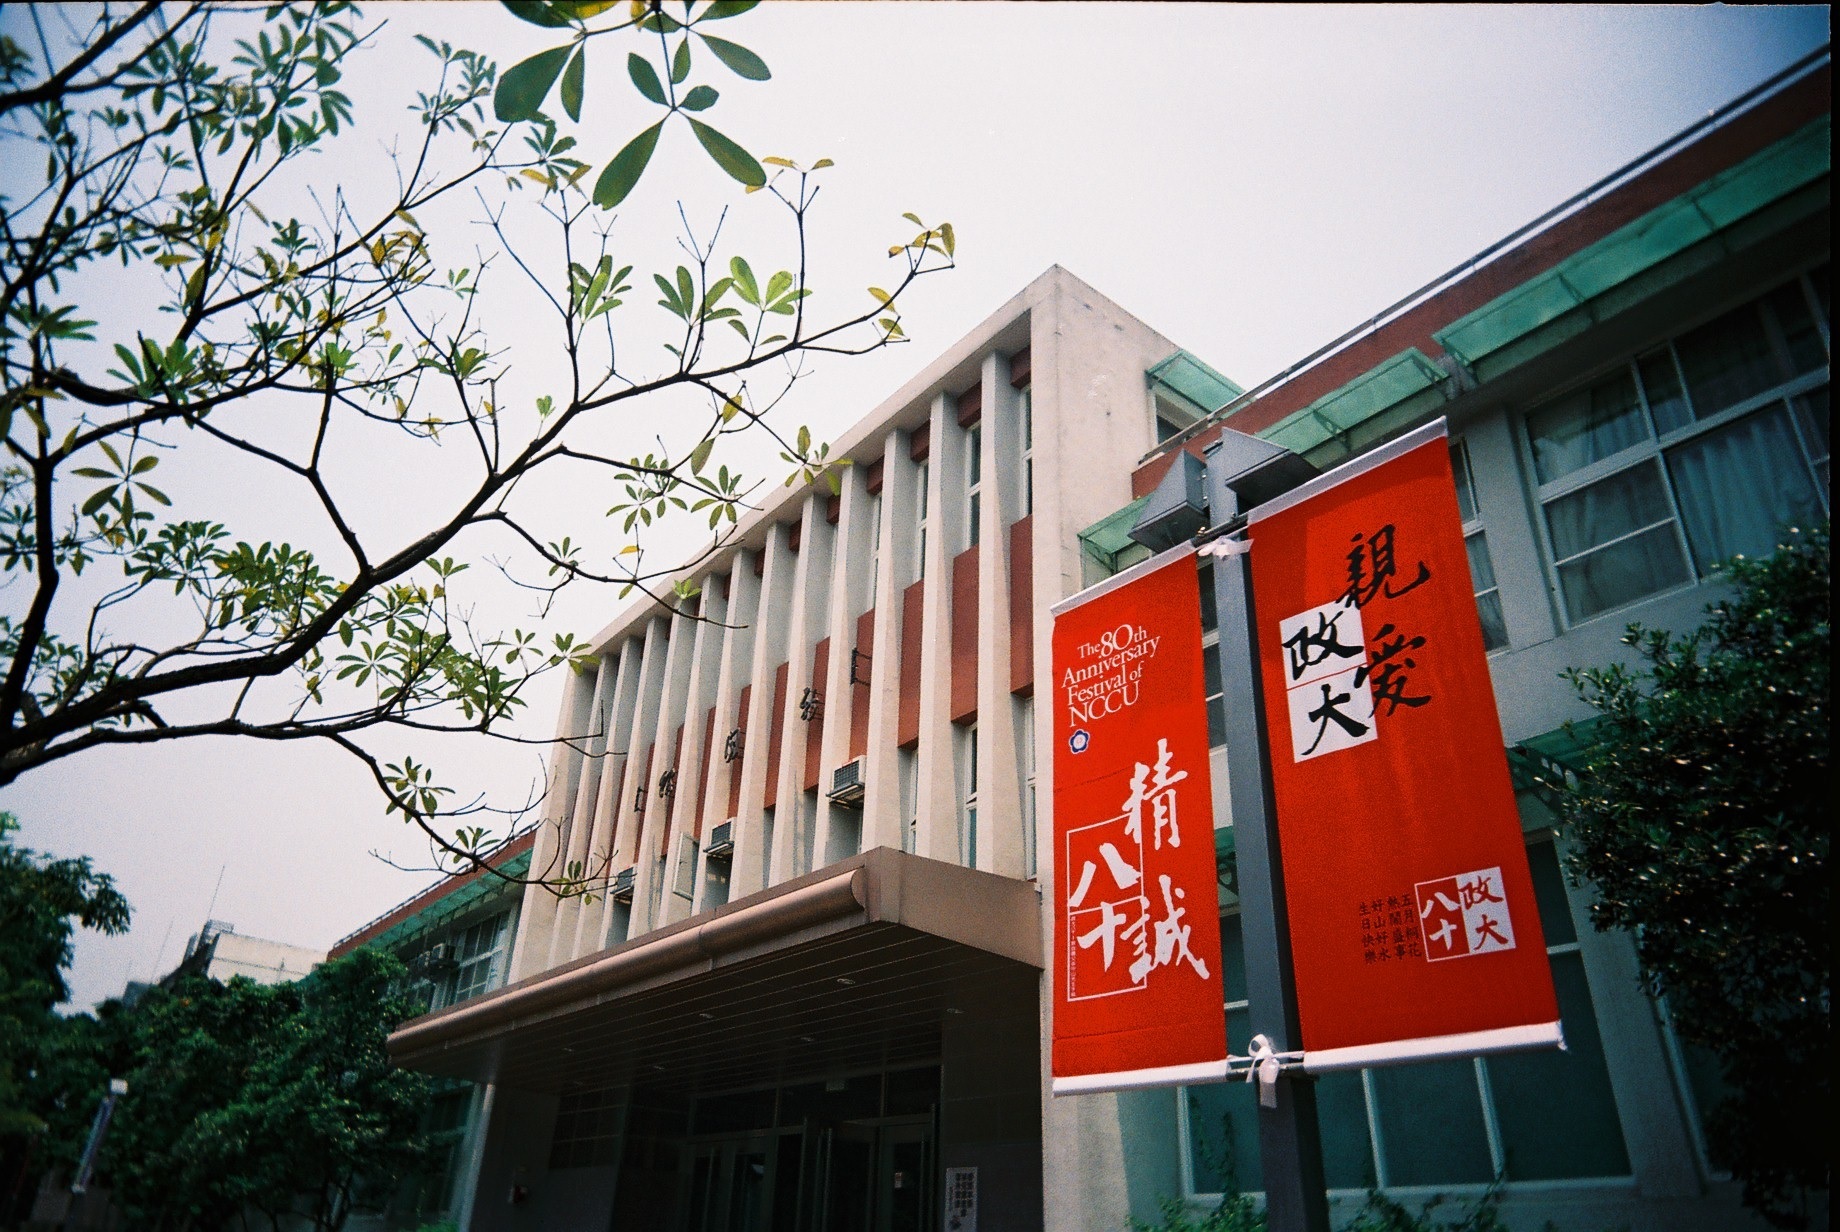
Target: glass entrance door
{"type": "Point", "coordinates": [731, 1185]}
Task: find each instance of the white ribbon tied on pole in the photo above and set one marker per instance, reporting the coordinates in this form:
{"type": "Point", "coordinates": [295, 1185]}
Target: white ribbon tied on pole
{"type": "Point", "coordinates": [1264, 1071]}
{"type": "Point", "coordinates": [1224, 546]}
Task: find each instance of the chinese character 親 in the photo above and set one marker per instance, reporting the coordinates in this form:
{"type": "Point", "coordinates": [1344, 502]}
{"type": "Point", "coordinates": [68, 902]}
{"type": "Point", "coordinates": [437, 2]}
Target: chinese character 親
{"type": "Point", "coordinates": [1372, 569]}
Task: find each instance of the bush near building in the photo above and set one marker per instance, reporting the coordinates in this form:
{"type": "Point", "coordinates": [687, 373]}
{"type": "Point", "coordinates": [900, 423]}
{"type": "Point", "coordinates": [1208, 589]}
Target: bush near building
{"type": "Point", "coordinates": [1703, 822]}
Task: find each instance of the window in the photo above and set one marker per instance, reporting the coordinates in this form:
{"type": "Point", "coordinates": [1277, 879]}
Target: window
{"type": "Point", "coordinates": [1025, 727]}
{"type": "Point", "coordinates": [920, 497]}
{"type": "Point", "coordinates": [1212, 684]}
{"type": "Point", "coordinates": [476, 954]}
{"type": "Point", "coordinates": [1691, 453]}
{"type": "Point", "coordinates": [587, 1132]}
{"type": "Point", "coordinates": [1541, 1116]}
{"type": "Point", "coordinates": [974, 472]}
{"type": "Point", "coordinates": [1481, 568]}
{"type": "Point", "coordinates": [1028, 450]}
{"type": "Point", "coordinates": [685, 886]}
{"type": "Point", "coordinates": [968, 815]}
{"type": "Point", "coordinates": [910, 799]}
{"type": "Point", "coordinates": [875, 546]}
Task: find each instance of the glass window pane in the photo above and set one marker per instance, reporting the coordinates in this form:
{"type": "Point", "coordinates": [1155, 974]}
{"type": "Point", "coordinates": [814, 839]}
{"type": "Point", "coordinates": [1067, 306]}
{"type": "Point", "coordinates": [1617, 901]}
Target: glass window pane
{"type": "Point", "coordinates": [1586, 426]}
{"type": "Point", "coordinates": [1466, 494]}
{"type": "Point", "coordinates": [1814, 411]}
{"type": "Point", "coordinates": [1661, 382]}
{"type": "Point", "coordinates": [1431, 1126]}
{"type": "Point", "coordinates": [1233, 978]}
{"type": "Point", "coordinates": [1209, 616]}
{"type": "Point", "coordinates": [1626, 501]}
{"type": "Point", "coordinates": [1481, 568]}
{"type": "Point", "coordinates": [1224, 1137]}
{"type": "Point", "coordinates": [1622, 573]}
{"type": "Point", "coordinates": [1494, 626]}
{"type": "Point", "coordinates": [1549, 894]}
{"type": "Point", "coordinates": [1738, 486]}
{"type": "Point", "coordinates": [1554, 1109]}
{"type": "Point", "coordinates": [1727, 361]}
{"type": "Point", "coordinates": [1341, 1115]}
{"type": "Point", "coordinates": [1801, 339]}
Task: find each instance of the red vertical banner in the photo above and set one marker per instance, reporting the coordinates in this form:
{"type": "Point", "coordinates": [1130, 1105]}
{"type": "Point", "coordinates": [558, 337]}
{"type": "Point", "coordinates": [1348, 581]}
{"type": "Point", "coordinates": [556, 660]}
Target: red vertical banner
{"type": "Point", "coordinates": [1138, 997]}
{"type": "Point", "coordinates": [1414, 931]}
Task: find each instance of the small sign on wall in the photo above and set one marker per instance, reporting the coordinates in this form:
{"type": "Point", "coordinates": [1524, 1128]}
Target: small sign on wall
{"type": "Point", "coordinates": [961, 1200]}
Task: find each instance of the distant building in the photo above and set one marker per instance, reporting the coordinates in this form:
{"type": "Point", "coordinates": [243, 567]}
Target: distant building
{"type": "Point", "coordinates": [217, 951]}
{"type": "Point", "coordinates": [455, 938]}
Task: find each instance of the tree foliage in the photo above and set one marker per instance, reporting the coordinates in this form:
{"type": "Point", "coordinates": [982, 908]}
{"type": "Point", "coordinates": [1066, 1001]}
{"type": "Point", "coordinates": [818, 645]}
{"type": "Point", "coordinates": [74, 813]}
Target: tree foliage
{"type": "Point", "coordinates": [1703, 823]}
{"type": "Point", "coordinates": [186, 294]}
{"type": "Point", "coordinates": [279, 1100]}
{"type": "Point", "coordinates": [45, 1083]}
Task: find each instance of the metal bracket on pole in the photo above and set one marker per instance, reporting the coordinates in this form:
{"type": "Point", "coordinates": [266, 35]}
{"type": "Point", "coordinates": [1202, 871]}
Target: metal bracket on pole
{"type": "Point", "coordinates": [1241, 472]}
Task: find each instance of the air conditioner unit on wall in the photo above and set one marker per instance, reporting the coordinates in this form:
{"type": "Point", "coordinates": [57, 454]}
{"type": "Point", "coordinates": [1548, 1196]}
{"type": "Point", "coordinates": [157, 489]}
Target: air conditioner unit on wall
{"type": "Point", "coordinates": [721, 841]}
{"type": "Point", "coordinates": [622, 891]}
{"type": "Point", "coordinates": [847, 784]}
{"type": "Point", "coordinates": [434, 958]}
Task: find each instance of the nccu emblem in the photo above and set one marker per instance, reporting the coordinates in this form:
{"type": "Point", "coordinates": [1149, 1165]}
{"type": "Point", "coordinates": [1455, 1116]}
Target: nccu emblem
{"type": "Point", "coordinates": [1079, 741]}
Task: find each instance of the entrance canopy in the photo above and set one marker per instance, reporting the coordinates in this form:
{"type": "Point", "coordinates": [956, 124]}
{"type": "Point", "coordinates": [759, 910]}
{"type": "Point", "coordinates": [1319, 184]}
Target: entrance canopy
{"type": "Point", "coordinates": [856, 966]}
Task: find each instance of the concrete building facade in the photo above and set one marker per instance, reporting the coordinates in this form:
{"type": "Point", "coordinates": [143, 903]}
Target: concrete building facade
{"type": "Point", "coordinates": [807, 990]}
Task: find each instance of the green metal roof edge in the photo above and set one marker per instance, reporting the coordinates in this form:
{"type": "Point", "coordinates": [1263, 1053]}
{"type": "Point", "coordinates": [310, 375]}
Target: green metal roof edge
{"type": "Point", "coordinates": [1665, 231]}
{"type": "Point", "coordinates": [448, 906]}
{"type": "Point", "coordinates": [1111, 533]}
{"type": "Point", "coordinates": [1194, 381]}
{"type": "Point", "coordinates": [1381, 387]}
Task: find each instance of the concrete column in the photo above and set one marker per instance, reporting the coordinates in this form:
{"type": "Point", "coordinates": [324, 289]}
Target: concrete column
{"type": "Point", "coordinates": [590, 930]}
{"type": "Point", "coordinates": [882, 819]}
{"type": "Point", "coordinates": [632, 735]}
{"type": "Point", "coordinates": [585, 814]}
{"type": "Point", "coordinates": [705, 670]}
{"type": "Point", "coordinates": [939, 794]}
{"type": "Point", "coordinates": [742, 589]}
{"type": "Point", "coordinates": [999, 787]}
{"type": "Point", "coordinates": [840, 832]}
{"type": "Point", "coordinates": [751, 854]}
{"type": "Point", "coordinates": [539, 908]}
{"type": "Point", "coordinates": [653, 831]}
{"type": "Point", "coordinates": [792, 848]}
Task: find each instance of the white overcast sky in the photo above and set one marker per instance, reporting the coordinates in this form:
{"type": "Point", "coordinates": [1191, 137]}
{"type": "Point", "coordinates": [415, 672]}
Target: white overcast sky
{"type": "Point", "coordinates": [1249, 180]}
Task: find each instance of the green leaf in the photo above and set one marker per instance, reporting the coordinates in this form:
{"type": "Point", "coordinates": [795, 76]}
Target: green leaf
{"type": "Point", "coordinates": [645, 77]}
{"type": "Point", "coordinates": [699, 457]}
{"type": "Point", "coordinates": [744, 280]}
{"type": "Point", "coordinates": [619, 176]}
{"type": "Point", "coordinates": [700, 98]}
{"type": "Point", "coordinates": [97, 501]}
{"type": "Point", "coordinates": [779, 284]}
{"type": "Point", "coordinates": [743, 62]}
{"type": "Point", "coordinates": [537, 13]}
{"type": "Point", "coordinates": [572, 82]}
{"type": "Point", "coordinates": [726, 8]}
{"type": "Point", "coordinates": [680, 63]}
{"type": "Point", "coordinates": [729, 156]}
{"type": "Point", "coordinates": [525, 85]}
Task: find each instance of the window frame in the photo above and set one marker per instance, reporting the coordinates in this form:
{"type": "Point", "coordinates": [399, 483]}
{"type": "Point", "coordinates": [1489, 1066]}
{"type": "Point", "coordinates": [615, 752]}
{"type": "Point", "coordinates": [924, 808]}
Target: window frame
{"type": "Point", "coordinates": [1464, 471]}
{"type": "Point", "coordinates": [1656, 447]}
{"type": "Point", "coordinates": [974, 476]}
{"type": "Point", "coordinates": [1376, 1139]}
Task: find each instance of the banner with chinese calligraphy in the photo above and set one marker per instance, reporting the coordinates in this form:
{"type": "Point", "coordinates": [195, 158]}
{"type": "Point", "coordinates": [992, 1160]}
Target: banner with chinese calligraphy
{"type": "Point", "coordinates": [1137, 983]}
{"type": "Point", "coordinates": [1414, 931]}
